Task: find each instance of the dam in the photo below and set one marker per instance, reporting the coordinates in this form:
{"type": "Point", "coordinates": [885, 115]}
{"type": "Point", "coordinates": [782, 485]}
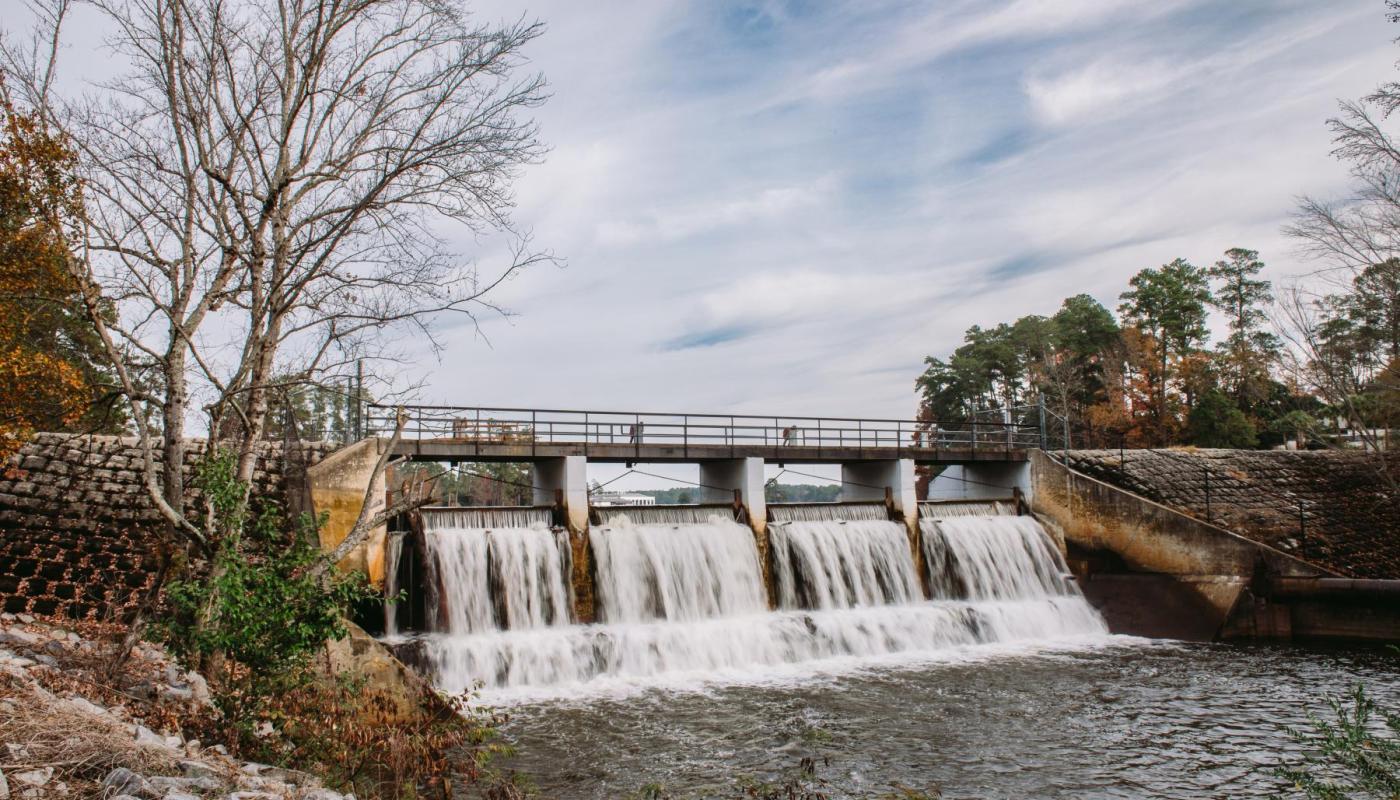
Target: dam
{"type": "Point", "coordinates": [681, 591]}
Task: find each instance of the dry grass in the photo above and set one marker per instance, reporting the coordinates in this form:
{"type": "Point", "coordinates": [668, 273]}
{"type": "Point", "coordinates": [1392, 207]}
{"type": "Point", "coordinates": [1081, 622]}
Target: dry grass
{"type": "Point", "coordinates": [40, 730]}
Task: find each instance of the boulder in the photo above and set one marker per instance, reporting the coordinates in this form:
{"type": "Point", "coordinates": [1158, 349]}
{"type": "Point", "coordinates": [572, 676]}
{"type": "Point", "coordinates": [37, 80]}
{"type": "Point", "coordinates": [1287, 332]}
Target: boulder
{"type": "Point", "coordinates": [362, 658]}
{"type": "Point", "coordinates": [125, 782]}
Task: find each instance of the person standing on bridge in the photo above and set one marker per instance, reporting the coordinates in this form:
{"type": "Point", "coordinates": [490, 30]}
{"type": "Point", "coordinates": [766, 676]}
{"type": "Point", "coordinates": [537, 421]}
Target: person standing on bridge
{"type": "Point", "coordinates": [637, 433]}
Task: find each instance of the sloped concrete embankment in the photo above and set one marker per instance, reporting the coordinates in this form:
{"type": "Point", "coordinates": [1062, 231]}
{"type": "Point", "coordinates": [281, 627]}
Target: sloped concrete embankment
{"type": "Point", "coordinates": [1155, 571]}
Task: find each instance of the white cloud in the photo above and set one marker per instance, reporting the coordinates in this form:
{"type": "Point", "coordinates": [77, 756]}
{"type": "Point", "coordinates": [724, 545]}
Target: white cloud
{"type": "Point", "coordinates": [1103, 88]}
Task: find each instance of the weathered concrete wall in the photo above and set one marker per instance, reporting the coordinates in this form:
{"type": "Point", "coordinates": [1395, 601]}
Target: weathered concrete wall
{"type": "Point", "coordinates": [1330, 508]}
{"type": "Point", "coordinates": [1154, 571]}
{"type": "Point", "coordinates": [337, 484]}
{"type": "Point", "coordinates": [77, 531]}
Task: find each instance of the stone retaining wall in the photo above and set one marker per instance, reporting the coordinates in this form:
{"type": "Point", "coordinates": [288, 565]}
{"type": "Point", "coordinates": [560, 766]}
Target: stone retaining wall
{"type": "Point", "coordinates": [1330, 508]}
{"type": "Point", "coordinates": [77, 530]}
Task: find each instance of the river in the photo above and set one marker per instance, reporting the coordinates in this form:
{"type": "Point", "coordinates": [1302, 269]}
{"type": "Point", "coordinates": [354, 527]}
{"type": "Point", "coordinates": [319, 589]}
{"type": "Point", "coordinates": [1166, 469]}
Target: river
{"type": "Point", "coordinates": [1118, 717]}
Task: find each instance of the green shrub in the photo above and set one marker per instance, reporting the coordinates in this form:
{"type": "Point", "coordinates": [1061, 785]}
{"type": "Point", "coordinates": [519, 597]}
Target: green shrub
{"type": "Point", "coordinates": [1355, 754]}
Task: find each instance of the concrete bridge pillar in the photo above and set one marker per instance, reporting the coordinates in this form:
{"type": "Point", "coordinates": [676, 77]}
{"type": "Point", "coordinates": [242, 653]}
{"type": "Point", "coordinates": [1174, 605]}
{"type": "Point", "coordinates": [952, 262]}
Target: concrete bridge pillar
{"type": "Point", "coordinates": [563, 478]}
{"type": "Point", "coordinates": [745, 475]}
{"type": "Point", "coordinates": [863, 481]}
{"type": "Point", "coordinates": [986, 481]}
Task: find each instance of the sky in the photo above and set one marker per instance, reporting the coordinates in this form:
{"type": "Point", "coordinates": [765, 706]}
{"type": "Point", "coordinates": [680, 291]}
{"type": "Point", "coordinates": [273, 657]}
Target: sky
{"type": "Point", "coordinates": [782, 207]}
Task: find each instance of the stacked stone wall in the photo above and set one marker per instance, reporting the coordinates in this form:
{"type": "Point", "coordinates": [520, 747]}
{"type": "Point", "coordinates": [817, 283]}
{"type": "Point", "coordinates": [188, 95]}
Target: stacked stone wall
{"type": "Point", "coordinates": [1334, 509]}
{"type": "Point", "coordinates": [78, 531]}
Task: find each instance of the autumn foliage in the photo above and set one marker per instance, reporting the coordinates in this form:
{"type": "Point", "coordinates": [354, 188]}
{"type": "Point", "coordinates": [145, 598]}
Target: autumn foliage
{"type": "Point", "coordinates": [50, 375]}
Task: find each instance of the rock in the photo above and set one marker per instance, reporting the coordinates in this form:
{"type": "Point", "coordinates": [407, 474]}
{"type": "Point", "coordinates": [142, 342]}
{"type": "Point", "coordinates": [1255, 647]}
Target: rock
{"type": "Point", "coordinates": [199, 687]}
{"type": "Point", "coordinates": [255, 795]}
{"type": "Point", "coordinates": [197, 769]}
{"type": "Point", "coordinates": [4, 787]}
{"type": "Point", "coordinates": [179, 694]}
{"type": "Point", "coordinates": [34, 777]}
{"type": "Point", "coordinates": [46, 659]}
{"type": "Point", "coordinates": [149, 738]}
{"type": "Point", "coordinates": [85, 705]}
{"type": "Point", "coordinates": [320, 794]}
{"type": "Point", "coordinates": [27, 619]}
{"type": "Point", "coordinates": [18, 636]}
{"type": "Point", "coordinates": [123, 781]}
{"type": "Point", "coordinates": [187, 785]}
{"type": "Point", "coordinates": [180, 796]}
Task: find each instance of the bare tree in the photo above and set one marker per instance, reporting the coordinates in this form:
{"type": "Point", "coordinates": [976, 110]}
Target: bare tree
{"type": "Point", "coordinates": [1357, 242]}
{"type": "Point", "coordinates": [269, 188]}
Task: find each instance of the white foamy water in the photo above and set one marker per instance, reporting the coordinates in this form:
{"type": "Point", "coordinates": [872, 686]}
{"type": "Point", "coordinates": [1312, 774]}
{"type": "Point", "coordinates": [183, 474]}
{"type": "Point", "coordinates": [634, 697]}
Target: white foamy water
{"type": "Point", "coordinates": [560, 661]}
{"type": "Point", "coordinates": [842, 564]}
{"type": "Point", "coordinates": [682, 603]}
{"type": "Point", "coordinates": [488, 579]}
{"type": "Point", "coordinates": [992, 558]}
{"type": "Point", "coordinates": [675, 572]}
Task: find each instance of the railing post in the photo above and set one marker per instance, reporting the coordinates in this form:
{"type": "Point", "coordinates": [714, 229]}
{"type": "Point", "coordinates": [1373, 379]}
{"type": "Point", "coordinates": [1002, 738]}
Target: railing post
{"type": "Point", "coordinates": [973, 443]}
{"type": "Point", "coordinates": [534, 431]}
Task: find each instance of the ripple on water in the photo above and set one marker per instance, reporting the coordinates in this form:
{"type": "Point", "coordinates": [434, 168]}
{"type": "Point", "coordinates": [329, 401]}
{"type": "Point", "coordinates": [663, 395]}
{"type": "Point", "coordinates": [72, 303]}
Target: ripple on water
{"type": "Point", "coordinates": [1130, 719]}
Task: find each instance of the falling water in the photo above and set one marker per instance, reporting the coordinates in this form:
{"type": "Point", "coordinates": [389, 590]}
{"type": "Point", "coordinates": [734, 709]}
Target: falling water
{"type": "Point", "coordinates": [999, 557]}
{"type": "Point", "coordinates": [842, 564]}
{"type": "Point", "coordinates": [680, 597]}
{"type": "Point", "coordinates": [496, 569]}
{"type": "Point", "coordinates": [393, 553]}
{"type": "Point", "coordinates": [670, 571]}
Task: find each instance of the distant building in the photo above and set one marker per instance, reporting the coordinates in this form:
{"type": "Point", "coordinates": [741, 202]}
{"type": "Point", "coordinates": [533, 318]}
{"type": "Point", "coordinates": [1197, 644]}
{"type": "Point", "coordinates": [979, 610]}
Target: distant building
{"type": "Point", "coordinates": [621, 499]}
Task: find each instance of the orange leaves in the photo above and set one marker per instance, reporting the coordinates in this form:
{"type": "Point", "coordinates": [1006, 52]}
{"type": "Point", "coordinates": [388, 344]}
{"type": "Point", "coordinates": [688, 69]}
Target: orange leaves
{"type": "Point", "coordinates": [36, 389]}
{"type": "Point", "coordinates": [48, 375]}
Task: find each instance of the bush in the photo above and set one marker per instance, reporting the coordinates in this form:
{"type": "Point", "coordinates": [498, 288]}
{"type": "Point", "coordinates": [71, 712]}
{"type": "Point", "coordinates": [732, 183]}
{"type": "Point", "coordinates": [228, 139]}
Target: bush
{"type": "Point", "coordinates": [1353, 755]}
{"type": "Point", "coordinates": [255, 616]}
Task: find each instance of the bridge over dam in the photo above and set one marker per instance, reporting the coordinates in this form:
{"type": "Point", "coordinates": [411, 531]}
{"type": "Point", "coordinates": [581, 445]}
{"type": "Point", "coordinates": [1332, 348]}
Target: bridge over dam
{"type": "Point", "coordinates": [1147, 569]}
{"type": "Point", "coordinates": [986, 459]}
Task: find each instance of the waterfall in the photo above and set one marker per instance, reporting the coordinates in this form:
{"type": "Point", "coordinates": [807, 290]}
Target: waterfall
{"type": "Point", "coordinates": [842, 563]}
{"type": "Point", "coordinates": [662, 515]}
{"type": "Point", "coordinates": [393, 554]}
{"type": "Point", "coordinates": [491, 578]}
{"type": "Point", "coordinates": [666, 571]}
{"type": "Point", "coordinates": [999, 557]}
{"type": "Point", "coordinates": [680, 595]}
{"type": "Point", "coordinates": [824, 512]}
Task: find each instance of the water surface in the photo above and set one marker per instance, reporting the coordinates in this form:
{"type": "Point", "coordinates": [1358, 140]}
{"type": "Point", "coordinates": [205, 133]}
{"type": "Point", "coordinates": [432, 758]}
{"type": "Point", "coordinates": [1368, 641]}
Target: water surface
{"type": "Point", "coordinates": [1115, 718]}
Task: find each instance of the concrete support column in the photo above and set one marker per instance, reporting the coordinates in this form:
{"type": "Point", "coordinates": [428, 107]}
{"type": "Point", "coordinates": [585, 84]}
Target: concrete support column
{"type": "Point", "coordinates": [745, 475]}
{"type": "Point", "coordinates": [566, 478]}
{"type": "Point", "coordinates": [989, 481]}
{"type": "Point", "coordinates": [863, 481]}
{"type": "Point", "coordinates": [722, 478]}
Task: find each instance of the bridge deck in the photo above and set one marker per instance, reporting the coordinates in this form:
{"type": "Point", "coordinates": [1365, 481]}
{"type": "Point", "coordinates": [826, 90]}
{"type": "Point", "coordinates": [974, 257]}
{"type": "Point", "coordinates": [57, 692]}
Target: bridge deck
{"type": "Point", "coordinates": [447, 433]}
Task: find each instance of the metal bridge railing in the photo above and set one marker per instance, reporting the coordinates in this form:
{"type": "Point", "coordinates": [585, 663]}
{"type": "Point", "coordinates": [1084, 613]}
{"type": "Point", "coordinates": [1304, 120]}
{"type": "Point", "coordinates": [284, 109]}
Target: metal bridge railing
{"type": "Point", "coordinates": [533, 427]}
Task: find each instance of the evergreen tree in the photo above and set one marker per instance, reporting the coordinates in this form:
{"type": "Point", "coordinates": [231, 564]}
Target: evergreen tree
{"type": "Point", "coordinates": [1248, 352]}
{"type": "Point", "coordinates": [1168, 305]}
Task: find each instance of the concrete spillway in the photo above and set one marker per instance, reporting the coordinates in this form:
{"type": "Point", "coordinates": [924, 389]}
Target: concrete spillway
{"type": "Point", "coordinates": [683, 598]}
